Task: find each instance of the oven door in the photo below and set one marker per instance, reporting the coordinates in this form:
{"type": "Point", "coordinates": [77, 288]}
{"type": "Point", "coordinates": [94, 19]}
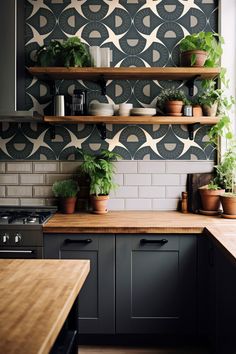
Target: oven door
{"type": "Point", "coordinates": [21, 252]}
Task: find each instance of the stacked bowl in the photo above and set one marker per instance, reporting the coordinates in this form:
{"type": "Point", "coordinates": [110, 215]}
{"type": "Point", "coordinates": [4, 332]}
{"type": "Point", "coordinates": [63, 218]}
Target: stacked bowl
{"type": "Point", "coordinates": [101, 109]}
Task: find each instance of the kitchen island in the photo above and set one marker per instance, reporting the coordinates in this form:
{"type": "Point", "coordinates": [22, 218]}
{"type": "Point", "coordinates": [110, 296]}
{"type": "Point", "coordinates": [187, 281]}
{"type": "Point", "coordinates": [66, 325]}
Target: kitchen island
{"type": "Point", "coordinates": [36, 297]}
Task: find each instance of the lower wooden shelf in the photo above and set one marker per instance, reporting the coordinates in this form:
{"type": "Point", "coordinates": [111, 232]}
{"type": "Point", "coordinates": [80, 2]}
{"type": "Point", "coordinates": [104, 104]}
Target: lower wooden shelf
{"type": "Point", "coordinates": [131, 120]}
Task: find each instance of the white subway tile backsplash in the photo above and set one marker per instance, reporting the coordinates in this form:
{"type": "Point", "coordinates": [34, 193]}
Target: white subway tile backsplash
{"type": "Point", "coordinates": [51, 178]}
{"type": "Point", "coordinates": [165, 179]}
{"type": "Point", "coordinates": [70, 167]}
{"type": "Point", "coordinates": [19, 167]}
{"type": "Point", "coordinates": [125, 192]}
{"type": "Point", "coordinates": [42, 191]}
{"type": "Point", "coordinates": [19, 191]}
{"type": "Point", "coordinates": [9, 201]}
{"type": "Point", "coordinates": [126, 166]}
{"type": "Point", "coordinates": [9, 179]}
{"type": "Point", "coordinates": [138, 204]}
{"type": "Point", "coordinates": [189, 166]}
{"type": "Point", "coordinates": [165, 204]}
{"type": "Point", "coordinates": [2, 167]}
{"type": "Point", "coordinates": [46, 167]}
{"type": "Point", "coordinates": [151, 166]}
{"type": "Point", "coordinates": [137, 179]}
{"type": "Point", "coordinates": [31, 179]}
{"type": "Point", "coordinates": [116, 204]}
{"type": "Point", "coordinates": [119, 179]}
{"type": "Point", "coordinates": [151, 192]}
{"type": "Point", "coordinates": [174, 192]}
{"type": "Point", "coordinates": [32, 202]}
{"type": "Point", "coordinates": [2, 191]}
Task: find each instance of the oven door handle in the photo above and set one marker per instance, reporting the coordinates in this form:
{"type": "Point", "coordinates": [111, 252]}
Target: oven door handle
{"type": "Point", "coordinates": [17, 251]}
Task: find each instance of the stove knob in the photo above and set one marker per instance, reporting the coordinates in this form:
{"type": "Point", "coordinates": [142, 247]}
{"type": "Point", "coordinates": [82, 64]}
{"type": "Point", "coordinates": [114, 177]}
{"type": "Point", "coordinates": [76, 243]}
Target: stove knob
{"type": "Point", "coordinates": [5, 238]}
{"type": "Point", "coordinates": [17, 238]}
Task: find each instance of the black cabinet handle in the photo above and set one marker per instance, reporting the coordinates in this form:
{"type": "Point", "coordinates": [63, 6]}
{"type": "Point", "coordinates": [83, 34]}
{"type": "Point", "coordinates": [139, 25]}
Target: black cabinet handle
{"type": "Point", "coordinates": [160, 242]}
{"type": "Point", "coordinates": [86, 240]}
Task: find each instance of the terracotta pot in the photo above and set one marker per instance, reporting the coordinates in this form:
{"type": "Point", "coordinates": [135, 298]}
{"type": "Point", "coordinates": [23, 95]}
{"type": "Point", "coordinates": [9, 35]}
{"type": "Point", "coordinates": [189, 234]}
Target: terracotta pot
{"type": "Point", "coordinates": [201, 57]}
{"type": "Point", "coordinates": [197, 111]}
{"type": "Point", "coordinates": [210, 111]}
{"type": "Point", "coordinates": [228, 204]}
{"type": "Point", "coordinates": [174, 108]}
{"type": "Point", "coordinates": [99, 203]}
{"type": "Point", "coordinates": [210, 198]}
{"type": "Point", "coordinates": [67, 205]}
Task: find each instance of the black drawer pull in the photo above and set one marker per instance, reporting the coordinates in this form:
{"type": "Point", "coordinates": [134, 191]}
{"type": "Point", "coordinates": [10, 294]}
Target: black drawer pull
{"type": "Point", "coordinates": [86, 240]}
{"type": "Point", "coordinates": [160, 242]}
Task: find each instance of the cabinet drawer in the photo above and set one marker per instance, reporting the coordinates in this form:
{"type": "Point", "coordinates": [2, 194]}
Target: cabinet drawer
{"type": "Point", "coordinates": [153, 242]}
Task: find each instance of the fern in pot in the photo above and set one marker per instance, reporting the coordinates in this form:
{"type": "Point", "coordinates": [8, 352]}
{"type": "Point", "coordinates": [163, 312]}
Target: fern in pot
{"type": "Point", "coordinates": [66, 192]}
{"type": "Point", "coordinates": [100, 169]}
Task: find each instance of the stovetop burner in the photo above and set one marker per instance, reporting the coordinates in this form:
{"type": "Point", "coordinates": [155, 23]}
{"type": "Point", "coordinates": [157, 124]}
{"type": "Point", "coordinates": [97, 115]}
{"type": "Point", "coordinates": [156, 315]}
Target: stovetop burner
{"type": "Point", "coordinates": [25, 216]}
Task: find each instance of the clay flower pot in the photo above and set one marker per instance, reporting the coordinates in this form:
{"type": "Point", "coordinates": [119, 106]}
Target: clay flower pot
{"type": "Point", "coordinates": [174, 108]}
{"type": "Point", "coordinates": [197, 111]}
{"type": "Point", "coordinates": [200, 55]}
{"type": "Point", "coordinates": [99, 203]}
{"type": "Point", "coordinates": [210, 198]}
{"type": "Point", "coordinates": [229, 204]}
{"type": "Point", "coordinates": [210, 111]}
{"type": "Point", "coordinates": [67, 205]}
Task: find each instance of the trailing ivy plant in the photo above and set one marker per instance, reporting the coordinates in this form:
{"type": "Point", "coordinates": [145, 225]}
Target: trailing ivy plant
{"type": "Point", "coordinates": [100, 169]}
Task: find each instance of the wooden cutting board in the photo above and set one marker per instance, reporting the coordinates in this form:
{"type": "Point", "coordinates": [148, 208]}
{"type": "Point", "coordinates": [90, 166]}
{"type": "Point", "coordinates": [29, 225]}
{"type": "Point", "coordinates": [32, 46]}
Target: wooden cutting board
{"type": "Point", "coordinates": [194, 181]}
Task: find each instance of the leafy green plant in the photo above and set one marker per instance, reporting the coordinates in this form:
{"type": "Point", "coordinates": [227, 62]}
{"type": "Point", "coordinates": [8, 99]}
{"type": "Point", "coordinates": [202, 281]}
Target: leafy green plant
{"type": "Point", "coordinates": [65, 189]}
{"type": "Point", "coordinates": [206, 41]}
{"type": "Point", "coordinates": [170, 94]}
{"type": "Point", "coordinates": [50, 55]}
{"type": "Point", "coordinates": [71, 52]}
{"type": "Point", "coordinates": [226, 170]}
{"type": "Point", "coordinates": [100, 169]}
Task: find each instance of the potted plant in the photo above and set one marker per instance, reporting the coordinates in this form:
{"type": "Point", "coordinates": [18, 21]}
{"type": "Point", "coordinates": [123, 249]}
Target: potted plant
{"type": "Point", "coordinates": [211, 98]}
{"type": "Point", "coordinates": [210, 198]}
{"type": "Point", "coordinates": [201, 49]}
{"type": "Point", "coordinates": [66, 192]}
{"type": "Point", "coordinates": [171, 101]}
{"type": "Point", "coordinates": [100, 169]}
{"type": "Point", "coordinates": [226, 173]}
{"type": "Point", "coordinates": [71, 52]}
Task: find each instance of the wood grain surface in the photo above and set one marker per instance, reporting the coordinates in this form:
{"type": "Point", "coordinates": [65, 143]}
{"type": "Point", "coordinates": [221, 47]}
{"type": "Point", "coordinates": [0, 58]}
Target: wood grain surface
{"type": "Point", "coordinates": [122, 73]}
{"type": "Point", "coordinates": [131, 119]}
{"type": "Point", "coordinates": [35, 299]}
{"type": "Point", "coordinates": [146, 222]}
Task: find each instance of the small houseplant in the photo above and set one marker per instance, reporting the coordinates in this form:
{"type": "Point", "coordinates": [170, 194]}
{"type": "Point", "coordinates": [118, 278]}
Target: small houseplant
{"type": "Point", "coordinates": [210, 99]}
{"type": "Point", "coordinates": [100, 169]}
{"type": "Point", "coordinates": [71, 52]}
{"type": "Point", "coordinates": [201, 49]}
{"type": "Point", "coordinates": [171, 101]}
{"type": "Point", "coordinates": [66, 192]}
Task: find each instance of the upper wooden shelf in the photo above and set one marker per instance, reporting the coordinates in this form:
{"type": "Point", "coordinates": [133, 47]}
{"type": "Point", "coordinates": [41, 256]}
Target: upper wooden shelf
{"type": "Point", "coordinates": [124, 73]}
{"type": "Point", "coordinates": [131, 120]}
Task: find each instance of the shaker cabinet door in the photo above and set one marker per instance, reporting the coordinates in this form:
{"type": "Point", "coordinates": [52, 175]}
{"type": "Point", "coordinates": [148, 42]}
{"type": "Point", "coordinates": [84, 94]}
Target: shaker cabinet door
{"type": "Point", "coordinates": [97, 297]}
{"type": "Point", "coordinates": [156, 284]}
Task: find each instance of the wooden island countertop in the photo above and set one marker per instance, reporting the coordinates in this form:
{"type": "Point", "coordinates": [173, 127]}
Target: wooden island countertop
{"type": "Point", "coordinates": [134, 222]}
{"type": "Point", "coordinates": [35, 299]}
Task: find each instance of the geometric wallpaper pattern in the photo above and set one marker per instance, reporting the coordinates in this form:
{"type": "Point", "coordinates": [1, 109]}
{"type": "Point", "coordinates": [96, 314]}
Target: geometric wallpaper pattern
{"type": "Point", "coordinates": [139, 33]}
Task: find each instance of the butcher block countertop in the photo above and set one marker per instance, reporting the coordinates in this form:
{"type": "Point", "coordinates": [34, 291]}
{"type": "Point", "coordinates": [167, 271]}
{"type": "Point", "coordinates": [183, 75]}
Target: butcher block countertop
{"type": "Point", "coordinates": [132, 222]}
{"type": "Point", "coordinates": [35, 299]}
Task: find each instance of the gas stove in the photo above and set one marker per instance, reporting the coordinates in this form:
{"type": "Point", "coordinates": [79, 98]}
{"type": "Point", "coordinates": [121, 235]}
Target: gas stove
{"type": "Point", "coordinates": [21, 231]}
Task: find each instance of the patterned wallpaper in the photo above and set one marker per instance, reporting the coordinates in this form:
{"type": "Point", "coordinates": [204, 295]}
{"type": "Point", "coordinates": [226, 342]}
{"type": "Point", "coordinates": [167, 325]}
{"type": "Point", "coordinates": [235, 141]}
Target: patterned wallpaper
{"type": "Point", "coordinates": [139, 33]}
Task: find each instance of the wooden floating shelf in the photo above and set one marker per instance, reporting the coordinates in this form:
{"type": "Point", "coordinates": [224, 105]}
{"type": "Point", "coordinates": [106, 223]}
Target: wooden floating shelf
{"type": "Point", "coordinates": [124, 73]}
{"type": "Point", "coordinates": [131, 120]}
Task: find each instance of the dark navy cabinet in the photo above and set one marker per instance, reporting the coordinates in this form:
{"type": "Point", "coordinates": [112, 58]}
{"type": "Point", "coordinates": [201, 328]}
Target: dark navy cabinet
{"type": "Point", "coordinates": [222, 296]}
{"type": "Point", "coordinates": [97, 298]}
{"type": "Point", "coordinates": [137, 283]}
{"type": "Point", "coordinates": [156, 284]}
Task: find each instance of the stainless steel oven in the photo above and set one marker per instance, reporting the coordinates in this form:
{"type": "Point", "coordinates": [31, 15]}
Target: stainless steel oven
{"type": "Point", "coordinates": [21, 233]}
